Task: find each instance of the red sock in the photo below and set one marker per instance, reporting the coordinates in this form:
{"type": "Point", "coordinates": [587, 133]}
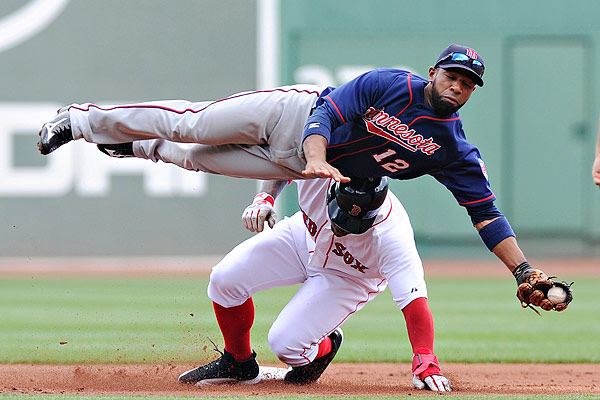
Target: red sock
{"type": "Point", "coordinates": [419, 324]}
{"type": "Point", "coordinates": [235, 324]}
{"type": "Point", "coordinates": [324, 347]}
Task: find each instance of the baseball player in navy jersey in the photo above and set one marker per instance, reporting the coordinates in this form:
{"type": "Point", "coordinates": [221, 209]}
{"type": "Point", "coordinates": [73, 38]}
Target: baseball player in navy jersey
{"type": "Point", "coordinates": [346, 245]}
{"type": "Point", "coordinates": [386, 122]}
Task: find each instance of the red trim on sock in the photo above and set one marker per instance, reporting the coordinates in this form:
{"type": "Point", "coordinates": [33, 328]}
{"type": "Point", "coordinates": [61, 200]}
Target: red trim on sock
{"type": "Point", "coordinates": [235, 324]}
{"type": "Point", "coordinates": [324, 347]}
{"type": "Point", "coordinates": [425, 364]}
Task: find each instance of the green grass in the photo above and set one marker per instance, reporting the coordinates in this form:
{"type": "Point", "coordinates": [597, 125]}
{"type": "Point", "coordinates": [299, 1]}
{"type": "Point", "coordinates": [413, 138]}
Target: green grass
{"type": "Point", "coordinates": [159, 320]}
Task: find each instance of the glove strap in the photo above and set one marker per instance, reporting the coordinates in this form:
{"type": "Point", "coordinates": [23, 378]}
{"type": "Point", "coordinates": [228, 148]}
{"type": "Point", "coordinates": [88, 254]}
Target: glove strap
{"type": "Point", "coordinates": [263, 198]}
{"type": "Point", "coordinates": [422, 361]}
{"type": "Point", "coordinates": [522, 271]}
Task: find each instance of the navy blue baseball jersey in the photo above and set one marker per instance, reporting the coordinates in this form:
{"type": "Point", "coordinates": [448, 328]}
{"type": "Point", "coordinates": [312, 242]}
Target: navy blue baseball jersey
{"type": "Point", "coordinates": [380, 125]}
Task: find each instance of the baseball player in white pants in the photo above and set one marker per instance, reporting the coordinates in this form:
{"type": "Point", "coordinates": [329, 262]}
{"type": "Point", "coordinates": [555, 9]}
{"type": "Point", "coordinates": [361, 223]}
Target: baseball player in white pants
{"type": "Point", "coordinates": [339, 271]}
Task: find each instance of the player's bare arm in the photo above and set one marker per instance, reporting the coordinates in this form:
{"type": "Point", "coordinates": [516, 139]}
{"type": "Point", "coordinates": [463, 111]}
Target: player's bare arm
{"type": "Point", "coordinates": [273, 187]}
{"type": "Point", "coordinates": [534, 286]}
{"type": "Point", "coordinates": [315, 152]}
{"type": "Point", "coordinates": [596, 165]}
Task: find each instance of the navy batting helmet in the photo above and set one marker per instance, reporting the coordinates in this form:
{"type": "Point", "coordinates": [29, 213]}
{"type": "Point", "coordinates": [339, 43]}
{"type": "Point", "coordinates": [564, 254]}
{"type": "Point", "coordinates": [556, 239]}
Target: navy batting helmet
{"type": "Point", "coordinates": [353, 206]}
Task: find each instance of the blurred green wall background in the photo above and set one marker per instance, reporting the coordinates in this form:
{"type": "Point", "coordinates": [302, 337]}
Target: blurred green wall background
{"type": "Point", "coordinates": [78, 201]}
{"type": "Point", "coordinates": [535, 120]}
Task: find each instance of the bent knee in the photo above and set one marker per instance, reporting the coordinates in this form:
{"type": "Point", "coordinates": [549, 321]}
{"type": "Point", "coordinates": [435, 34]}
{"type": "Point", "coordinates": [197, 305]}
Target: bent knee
{"type": "Point", "coordinates": [289, 350]}
{"type": "Point", "coordinates": [224, 290]}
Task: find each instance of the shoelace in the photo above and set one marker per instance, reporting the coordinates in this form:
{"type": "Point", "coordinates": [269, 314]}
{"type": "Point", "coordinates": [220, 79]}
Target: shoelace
{"type": "Point", "coordinates": [215, 347]}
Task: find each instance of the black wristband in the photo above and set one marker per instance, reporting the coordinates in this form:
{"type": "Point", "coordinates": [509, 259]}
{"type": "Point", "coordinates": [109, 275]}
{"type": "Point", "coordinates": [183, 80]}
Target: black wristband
{"type": "Point", "coordinates": [522, 272]}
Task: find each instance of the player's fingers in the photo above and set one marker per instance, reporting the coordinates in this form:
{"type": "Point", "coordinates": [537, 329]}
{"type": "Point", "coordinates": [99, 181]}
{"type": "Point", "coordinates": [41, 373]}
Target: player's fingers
{"type": "Point", "coordinates": [251, 220]}
{"type": "Point", "coordinates": [447, 384]}
{"type": "Point", "coordinates": [309, 175]}
{"type": "Point", "coordinates": [561, 307]}
{"type": "Point", "coordinates": [536, 297]}
{"type": "Point", "coordinates": [431, 384]}
{"type": "Point", "coordinates": [438, 383]}
{"type": "Point", "coordinates": [311, 171]}
{"type": "Point", "coordinates": [596, 172]}
{"type": "Point", "coordinates": [546, 305]}
{"type": "Point", "coordinates": [337, 175]}
{"type": "Point", "coordinates": [271, 220]}
{"type": "Point", "coordinates": [418, 383]}
{"type": "Point", "coordinates": [442, 383]}
{"type": "Point", "coordinates": [341, 178]}
{"type": "Point", "coordinates": [246, 220]}
{"type": "Point", "coordinates": [260, 220]}
{"type": "Point", "coordinates": [317, 173]}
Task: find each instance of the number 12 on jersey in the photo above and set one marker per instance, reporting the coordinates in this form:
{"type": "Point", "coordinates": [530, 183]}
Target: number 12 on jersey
{"type": "Point", "coordinates": [392, 166]}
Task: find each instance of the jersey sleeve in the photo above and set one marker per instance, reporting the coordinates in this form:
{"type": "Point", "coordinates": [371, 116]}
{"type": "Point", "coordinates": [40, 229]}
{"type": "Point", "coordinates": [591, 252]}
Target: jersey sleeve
{"type": "Point", "coordinates": [467, 179]}
{"type": "Point", "coordinates": [343, 104]}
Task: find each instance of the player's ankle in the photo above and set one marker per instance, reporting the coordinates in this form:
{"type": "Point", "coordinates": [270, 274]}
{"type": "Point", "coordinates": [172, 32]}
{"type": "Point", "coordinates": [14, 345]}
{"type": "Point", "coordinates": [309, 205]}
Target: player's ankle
{"type": "Point", "coordinates": [241, 356]}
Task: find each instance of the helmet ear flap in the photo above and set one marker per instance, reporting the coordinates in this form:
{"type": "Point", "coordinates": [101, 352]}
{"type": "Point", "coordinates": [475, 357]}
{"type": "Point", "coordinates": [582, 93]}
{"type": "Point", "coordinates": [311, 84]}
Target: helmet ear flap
{"type": "Point", "coordinates": [332, 192]}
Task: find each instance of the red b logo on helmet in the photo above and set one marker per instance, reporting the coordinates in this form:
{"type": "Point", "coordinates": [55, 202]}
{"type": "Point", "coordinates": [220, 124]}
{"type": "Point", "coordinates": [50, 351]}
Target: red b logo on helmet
{"type": "Point", "coordinates": [355, 210]}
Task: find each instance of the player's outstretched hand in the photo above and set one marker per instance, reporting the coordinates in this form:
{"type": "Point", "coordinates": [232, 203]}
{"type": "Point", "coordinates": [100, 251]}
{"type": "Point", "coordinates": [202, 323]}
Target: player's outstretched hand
{"type": "Point", "coordinates": [436, 383]}
{"type": "Point", "coordinates": [261, 210]}
{"type": "Point", "coordinates": [596, 170]}
{"type": "Point", "coordinates": [322, 169]}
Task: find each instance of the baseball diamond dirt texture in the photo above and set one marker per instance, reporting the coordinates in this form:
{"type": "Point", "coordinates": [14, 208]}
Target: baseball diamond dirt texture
{"type": "Point", "coordinates": [340, 379]}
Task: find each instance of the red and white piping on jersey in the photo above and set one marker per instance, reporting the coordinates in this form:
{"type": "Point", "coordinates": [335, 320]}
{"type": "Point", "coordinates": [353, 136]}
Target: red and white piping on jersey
{"type": "Point", "coordinates": [388, 214]}
{"type": "Point", "coordinates": [319, 230]}
{"type": "Point", "coordinates": [476, 201]}
{"type": "Point", "coordinates": [191, 109]}
{"type": "Point", "coordinates": [410, 94]}
{"type": "Point", "coordinates": [328, 251]}
{"type": "Point", "coordinates": [336, 109]}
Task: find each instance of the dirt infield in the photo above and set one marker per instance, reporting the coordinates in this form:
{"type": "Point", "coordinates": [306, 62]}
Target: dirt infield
{"type": "Point", "coordinates": [338, 380]}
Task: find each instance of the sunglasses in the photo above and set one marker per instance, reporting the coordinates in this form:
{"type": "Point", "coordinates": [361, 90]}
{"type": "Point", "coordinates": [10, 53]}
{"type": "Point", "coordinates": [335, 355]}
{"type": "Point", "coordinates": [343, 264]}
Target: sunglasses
{"type": "Point", "coordinates": [464, 59]}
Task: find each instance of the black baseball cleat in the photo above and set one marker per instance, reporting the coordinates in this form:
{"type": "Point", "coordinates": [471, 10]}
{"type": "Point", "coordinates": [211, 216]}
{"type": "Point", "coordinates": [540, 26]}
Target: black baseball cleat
{"type": "Point", "coordinates": [310, 373]}
{"type": "Point", "coordinates": [119, 150]}
{"type": "Point", "coordinates": [55, 133]}
{"type": "Point", "coordinates": [223, 370]}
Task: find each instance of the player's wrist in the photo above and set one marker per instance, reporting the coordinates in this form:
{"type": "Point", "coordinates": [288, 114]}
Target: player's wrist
{"type": "Point", "coordinates": [425, 363]}
{"type": "Point", "coordinates": [522, 271]}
